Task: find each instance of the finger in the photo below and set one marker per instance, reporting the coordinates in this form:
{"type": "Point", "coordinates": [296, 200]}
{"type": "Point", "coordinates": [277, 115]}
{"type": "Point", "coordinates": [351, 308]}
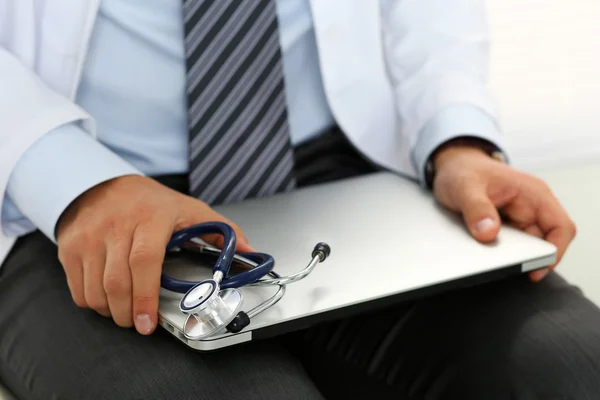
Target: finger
{"type": "Point", "coordinates": [534, 230]}
{"type": "Point", "coordinates": [560, 236]}
{"type": "Point", "coordinates": [146, 261]}
{"type": "Point", "coordinates": [207, 214]}
{"type": "Point", "coordinates": [72, 266]}
{"type": "Point", "coordinates": [556, 225]}
{"type": "Point", "coordinates": [480, 214]}
{"type": "Point", "coordinates": [520, 212]}
{"type": "Point", "coordinates": [117, 279]}
{"type": "Point", "coordinates": [538, 275]}
{"type": "Point", "coordinates": [242, 244]}
{"type": "Point", "coordinates": [93, 281]}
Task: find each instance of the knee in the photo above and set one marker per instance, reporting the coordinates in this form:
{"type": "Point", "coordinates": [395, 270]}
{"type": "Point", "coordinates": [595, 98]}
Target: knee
{"type": "Point", "coordinates": [560, 362]}
{"type": "Point", "coordinates": [151, 378]}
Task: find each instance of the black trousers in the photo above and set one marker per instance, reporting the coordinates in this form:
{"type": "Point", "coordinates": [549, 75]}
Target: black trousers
{"type": "Point", "coordinates": [505, 340]}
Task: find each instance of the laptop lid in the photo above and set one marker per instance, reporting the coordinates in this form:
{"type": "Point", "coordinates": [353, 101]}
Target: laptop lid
{"type": "Point", "coordinates": [390, 241]}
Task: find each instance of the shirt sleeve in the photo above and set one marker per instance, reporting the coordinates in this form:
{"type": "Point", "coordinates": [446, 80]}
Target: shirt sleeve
{"type": "Point", "coordinates": [450, 123]}
{"type": "Point", "coordinates": [52, 173]}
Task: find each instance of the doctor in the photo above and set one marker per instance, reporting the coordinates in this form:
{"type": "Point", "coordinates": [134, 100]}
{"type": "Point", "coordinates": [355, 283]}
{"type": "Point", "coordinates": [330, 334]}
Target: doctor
{"type": "Point", "coordinates": [123, 121]}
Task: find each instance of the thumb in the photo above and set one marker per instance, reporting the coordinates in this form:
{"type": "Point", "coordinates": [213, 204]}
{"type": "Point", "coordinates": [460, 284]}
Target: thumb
{"type": "Point", "coordinates": [480, 214]}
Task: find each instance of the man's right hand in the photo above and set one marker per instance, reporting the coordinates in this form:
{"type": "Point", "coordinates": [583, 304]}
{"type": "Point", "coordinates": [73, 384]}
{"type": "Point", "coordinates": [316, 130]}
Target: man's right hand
{"type": "Point", "coordinates": [112, 241]}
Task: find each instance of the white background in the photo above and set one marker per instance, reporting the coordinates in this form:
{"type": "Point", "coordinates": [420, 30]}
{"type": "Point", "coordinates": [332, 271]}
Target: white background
{"type": "Point", "coordinates": [545, 74]}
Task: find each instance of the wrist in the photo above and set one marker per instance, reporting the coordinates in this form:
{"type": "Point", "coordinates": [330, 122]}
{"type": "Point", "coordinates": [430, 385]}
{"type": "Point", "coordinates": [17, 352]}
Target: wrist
{"type": "Point", "coordinates": [58, 168]}
{"type": "Point", "coordinates": [461, 146]}
{"type": "Point", "coordinates": [447, 153]}
{"type": "Point", "coordinates": [88, 198]}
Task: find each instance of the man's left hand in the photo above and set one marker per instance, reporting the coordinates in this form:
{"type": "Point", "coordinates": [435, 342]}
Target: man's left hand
{"type": "Point", "coordinates": [484, 190]}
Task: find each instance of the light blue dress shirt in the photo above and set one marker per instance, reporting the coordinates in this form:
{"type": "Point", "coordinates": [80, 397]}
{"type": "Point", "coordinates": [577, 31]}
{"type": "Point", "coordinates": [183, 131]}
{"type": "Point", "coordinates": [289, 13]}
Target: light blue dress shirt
{"type": "Point", "coordinates": [133, 84]}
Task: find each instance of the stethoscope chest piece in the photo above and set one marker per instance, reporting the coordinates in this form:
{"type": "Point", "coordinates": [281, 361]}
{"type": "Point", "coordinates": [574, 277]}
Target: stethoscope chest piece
{"type": "Point", "coordinates": [209, 309]}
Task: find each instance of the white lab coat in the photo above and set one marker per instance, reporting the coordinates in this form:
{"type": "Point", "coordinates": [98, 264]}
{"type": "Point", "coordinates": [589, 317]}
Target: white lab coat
{"type": "Point", "coordinates": [384, 77]}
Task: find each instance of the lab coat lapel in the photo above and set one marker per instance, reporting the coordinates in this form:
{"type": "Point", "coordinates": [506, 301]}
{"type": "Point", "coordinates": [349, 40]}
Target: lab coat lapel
{"type": "Point", "coordinates": [355, 76]}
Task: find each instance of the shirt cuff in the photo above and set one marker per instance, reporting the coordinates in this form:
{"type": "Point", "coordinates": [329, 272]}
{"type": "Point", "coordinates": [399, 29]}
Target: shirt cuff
{"type": "Point", "coordinates": [451, 123]}
{"type": "Point", "coordinates": [58, 168]}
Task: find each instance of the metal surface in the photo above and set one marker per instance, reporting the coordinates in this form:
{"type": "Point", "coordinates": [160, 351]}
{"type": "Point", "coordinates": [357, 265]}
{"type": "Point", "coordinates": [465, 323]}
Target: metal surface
{"type": "Point", "coordinates": [388, 236]}
{"type": "Point", "coordinates": [218, 276]}
{"type": "Point", "coordinates": [209, 309]}
{"type": "Point", "coordinates": [288, 279]}
{"type": "Point", "coordinates": [213, 318]}
{"type": "Point", "coordinates": [208, 249]}
{"type": "Point", "coordinates": [270, 302]}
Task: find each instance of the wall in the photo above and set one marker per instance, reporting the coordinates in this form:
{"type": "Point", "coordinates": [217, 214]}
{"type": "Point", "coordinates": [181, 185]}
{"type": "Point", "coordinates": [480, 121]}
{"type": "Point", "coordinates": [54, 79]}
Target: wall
{"type": "Point", "coordinates": [545, 73]}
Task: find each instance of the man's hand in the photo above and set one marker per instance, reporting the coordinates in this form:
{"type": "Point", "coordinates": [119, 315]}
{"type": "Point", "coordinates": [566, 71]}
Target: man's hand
{"type": "Point", "coordinates": [112, 241]}
{"type": "Point", "coordinates": [484, 190]}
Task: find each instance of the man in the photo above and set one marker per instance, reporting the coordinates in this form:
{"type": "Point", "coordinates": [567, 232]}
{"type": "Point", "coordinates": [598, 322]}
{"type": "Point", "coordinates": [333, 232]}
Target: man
{"type": "Point", "coordinates": [207, 102]}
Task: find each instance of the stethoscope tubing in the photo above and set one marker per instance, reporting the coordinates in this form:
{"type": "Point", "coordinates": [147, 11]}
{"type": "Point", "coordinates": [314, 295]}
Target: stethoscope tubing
{"type": "Point", "coordinates": [229, 239]}
{"type": "Point", "coordinates": [260, 264]}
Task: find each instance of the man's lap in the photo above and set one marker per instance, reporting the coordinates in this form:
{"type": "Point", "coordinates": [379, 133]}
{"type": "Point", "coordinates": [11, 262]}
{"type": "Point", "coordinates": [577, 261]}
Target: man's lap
{"type": "Point", "coordinates": [49, 347]}
{"type": "Point", "coordinates": [504, 339]}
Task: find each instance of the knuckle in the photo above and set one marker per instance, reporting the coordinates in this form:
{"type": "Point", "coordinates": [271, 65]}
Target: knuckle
{"type": "Point", "coordinates": [541, 184]}
{"type": "Point", "coordinates": [462, 180]}
{"type": "Point", "coordinates": [145, 209]}
{"type": "Point", "coordinates": [116, 284]}
{"type": "Point", "coordinates": [111, 224]}
{"type": "Point", "coordinates": [71, 246]}
{"type": "Point", "coordinates": [79, 300]}
{"type": "Point", "coordinates": [97, 303]}
{"type": "Point", "coordinates": [104, 312]}
{"type": "Point", "coordinates": [572, 227]}
{"type": "Point", "coordinates": [67, 257]}
{"type": "Point", "coordinates": [65, 244]}
{"type": "Point", "coordinates": [142, 255]}
{"type": "Point", "coordinates": [477, 204]}
{"type": "Point", "coordinates": [123, 322]}
{"type": "Point", "coordinates": [481, 202]}
{"type": "Point", "coordinates": [144, 302]}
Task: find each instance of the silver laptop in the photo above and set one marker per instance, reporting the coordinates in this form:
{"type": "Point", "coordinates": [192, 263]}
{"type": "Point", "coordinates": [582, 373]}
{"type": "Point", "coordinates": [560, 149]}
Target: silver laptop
{"type": "Point", "coordinates": [390, 242]}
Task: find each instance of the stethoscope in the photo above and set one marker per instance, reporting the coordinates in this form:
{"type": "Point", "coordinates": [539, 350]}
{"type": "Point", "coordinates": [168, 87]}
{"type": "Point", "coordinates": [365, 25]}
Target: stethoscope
{"type": "Point", "coordinates": [213, 306]}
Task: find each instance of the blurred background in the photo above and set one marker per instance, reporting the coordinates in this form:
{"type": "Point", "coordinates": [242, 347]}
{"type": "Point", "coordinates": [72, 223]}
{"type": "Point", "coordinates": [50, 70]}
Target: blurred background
{"type": "Point", "coordinates": [545, 74]}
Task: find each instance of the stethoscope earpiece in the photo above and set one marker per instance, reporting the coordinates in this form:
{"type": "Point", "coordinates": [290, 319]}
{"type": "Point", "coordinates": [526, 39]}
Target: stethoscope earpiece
{"type": "Point", "coordinates": [322, 250]}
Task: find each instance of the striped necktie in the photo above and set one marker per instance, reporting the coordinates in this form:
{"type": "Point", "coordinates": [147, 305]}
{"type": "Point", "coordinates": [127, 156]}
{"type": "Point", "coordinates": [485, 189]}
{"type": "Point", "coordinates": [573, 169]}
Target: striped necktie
{"type": "Point", "coordinates": [237, 118]}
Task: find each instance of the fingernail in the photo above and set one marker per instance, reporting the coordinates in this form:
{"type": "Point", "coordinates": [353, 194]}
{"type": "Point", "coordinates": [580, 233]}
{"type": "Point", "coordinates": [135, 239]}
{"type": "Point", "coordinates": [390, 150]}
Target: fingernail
{"type": "Point", "coordinates": [485, 225]}
{"type": "Point", "coordinates": [144, 324]}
